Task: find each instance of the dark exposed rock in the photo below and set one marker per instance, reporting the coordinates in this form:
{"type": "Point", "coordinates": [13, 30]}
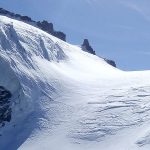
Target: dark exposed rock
{"type": "Point", "coordinates": [3, 11]}
{"type": "Point", "coordinates": [111, 62]}
{"type": "Point", "coordinates": [26, 18]}
{"type": "Point", "coordinates": [46, 26]}
{"type": "Point", "coordinates": [5, 106]}
{"type": "Point", "coordinates": [86, 47]}
{"type": "Point", "coordinates": [43, 25]}
{"type": "Point", "coordinates": [60, 35]}
{"type": "Point", "coordinates": [17, 15]}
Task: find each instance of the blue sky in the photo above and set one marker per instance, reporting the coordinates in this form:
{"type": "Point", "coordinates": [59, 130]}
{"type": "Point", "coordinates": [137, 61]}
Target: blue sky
{"type": "Point", "coordinates": [116, 29]}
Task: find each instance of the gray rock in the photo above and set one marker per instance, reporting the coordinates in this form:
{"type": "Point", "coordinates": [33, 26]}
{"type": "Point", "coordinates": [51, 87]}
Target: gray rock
{"type": "Point", "coordinates": [111, 62]}
{"type": "Point", "coordinates": [60, 35]}
{"type": "Point", "coordinates": [43, 25]}
{"type": "Point", "coordinates": [5, 106]}
{"type": "Point", "coordinates": [86, 47]}
{"type": "Point", "coordinates": [26, 18]}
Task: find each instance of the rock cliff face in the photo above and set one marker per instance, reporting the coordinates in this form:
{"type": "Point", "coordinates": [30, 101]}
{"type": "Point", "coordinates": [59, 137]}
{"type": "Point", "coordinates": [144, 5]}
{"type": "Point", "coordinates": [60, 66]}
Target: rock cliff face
{"type": "Point", "coordinates": [5, 106]}
{"type": "Point", "coordinates": [48, 27]}
{"type": "Point", "coordinates": [44, 25]}
{"type": "Point", "coordinates": [87, 47]}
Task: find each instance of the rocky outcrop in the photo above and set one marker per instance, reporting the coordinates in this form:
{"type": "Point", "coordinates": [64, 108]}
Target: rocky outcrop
{"type": "Point", "coordinates": [17, 16]}
{"type": "Point", "coordinates": [43, 25]}
{"type": "Point", "coordinates": [48, 27]}
{"type": "Point", "coordinates": [87, 47]}
{"type": "Point", "coordinates": [5, 106]}
{"type": "Point", "coordinates": [111, 62]}
{"type": "Point", "coordinates": [60, 35]}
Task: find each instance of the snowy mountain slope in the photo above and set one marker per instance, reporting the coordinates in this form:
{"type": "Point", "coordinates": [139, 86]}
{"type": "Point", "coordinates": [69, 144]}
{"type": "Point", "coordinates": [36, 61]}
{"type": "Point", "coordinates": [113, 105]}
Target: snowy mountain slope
{"type": "Point", "coordinates": [65, 98]}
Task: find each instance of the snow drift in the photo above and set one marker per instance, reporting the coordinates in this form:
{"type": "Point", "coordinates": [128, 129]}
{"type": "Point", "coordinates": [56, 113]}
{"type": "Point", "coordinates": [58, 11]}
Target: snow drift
{"type": "Point", "coordinates": [64, 97]}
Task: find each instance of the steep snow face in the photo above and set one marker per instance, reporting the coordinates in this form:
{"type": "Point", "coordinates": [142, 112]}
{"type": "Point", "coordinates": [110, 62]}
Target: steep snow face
{"type": "Point", "coordinates": [64, 97]}
{"type": "Point", "coordinates": [18, 46]}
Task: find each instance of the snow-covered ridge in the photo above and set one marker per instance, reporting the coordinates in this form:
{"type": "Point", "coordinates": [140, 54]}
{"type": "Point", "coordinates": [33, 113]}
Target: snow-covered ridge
{"type": "Point", "coordinates": [61, 94]}
{"type": "Point", "coordinates": [43, 25]}
{"type": "Point", "coordinates": [22, 46]}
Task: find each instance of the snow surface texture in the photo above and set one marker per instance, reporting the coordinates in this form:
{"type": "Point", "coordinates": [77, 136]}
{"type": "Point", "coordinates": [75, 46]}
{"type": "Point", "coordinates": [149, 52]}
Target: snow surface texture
{"type": "Point", "coordinates": [64, 98]}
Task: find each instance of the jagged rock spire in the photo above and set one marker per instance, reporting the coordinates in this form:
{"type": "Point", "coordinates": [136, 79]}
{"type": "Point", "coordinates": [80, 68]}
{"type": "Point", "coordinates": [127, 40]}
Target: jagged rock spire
{"type": "Point", "coordinates": [86, 47]}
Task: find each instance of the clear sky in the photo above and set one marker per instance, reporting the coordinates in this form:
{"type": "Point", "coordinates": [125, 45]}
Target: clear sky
{"type": "Point", "coordinates": [116, 29]}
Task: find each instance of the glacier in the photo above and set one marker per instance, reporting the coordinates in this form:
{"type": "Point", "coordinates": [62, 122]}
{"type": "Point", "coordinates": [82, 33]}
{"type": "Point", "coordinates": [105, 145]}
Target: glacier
{"type": "Point", "coordinates": [65, 98]}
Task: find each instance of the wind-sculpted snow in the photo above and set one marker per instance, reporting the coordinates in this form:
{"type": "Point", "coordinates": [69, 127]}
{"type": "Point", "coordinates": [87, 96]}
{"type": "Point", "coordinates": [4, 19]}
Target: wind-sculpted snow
{"type": "Point", "coordinates": [64, 98]}
{"type": "Point", "coordinates": [113, 113]}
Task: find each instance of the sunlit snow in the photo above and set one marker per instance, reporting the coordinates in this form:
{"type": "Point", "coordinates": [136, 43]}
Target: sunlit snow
{"type": "Point", "coordinates": [64, 98]}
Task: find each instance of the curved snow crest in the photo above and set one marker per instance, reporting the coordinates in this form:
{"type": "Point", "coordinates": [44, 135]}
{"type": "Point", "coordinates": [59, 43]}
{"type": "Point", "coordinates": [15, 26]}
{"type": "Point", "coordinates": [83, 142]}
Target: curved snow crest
{"type": "Point", "coordinates": [35, 68]}
{"type": "Point", "coordinates": [28, 40]}
{"type": "Point", "coordinates": [61, 93]}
